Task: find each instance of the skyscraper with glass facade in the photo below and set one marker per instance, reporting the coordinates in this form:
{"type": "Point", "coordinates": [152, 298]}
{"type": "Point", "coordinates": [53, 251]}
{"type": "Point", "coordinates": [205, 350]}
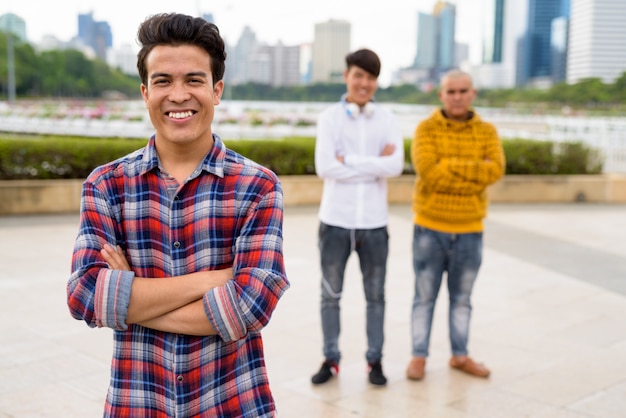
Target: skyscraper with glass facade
{"type": "Point", "coordinates": [503, 25]}
{"type": "Point", "coordinates": [96, 35]}
{"type": "Point", "coordinates": [436, 47]}
{"type": "Point", "coordinates": [426, 56]}
{"type": "Point", "coordinates": [493, 31]}
{"type": "Point", "coordinates": [537, 57]}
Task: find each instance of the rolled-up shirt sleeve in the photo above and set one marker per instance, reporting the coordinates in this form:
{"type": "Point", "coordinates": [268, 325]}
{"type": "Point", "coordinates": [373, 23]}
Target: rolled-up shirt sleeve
{"type": "Point", "coordinates": [247, 302]}
{"type": "Point", "coordinates": [96, 294]}
{"type": "Point", "coordinates": [112, 298]}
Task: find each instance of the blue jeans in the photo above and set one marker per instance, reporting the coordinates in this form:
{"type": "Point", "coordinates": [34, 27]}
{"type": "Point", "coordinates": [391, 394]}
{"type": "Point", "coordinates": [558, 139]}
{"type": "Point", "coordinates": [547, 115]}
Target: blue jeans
{"type": "Point", "coordinates": [336, 244]}
{"type": "Point", "coordinates": [459, 255]}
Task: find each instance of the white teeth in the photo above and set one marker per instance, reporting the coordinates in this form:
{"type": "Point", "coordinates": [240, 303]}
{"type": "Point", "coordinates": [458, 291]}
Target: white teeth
{"type": "Point", "coordinates": [180, 115]}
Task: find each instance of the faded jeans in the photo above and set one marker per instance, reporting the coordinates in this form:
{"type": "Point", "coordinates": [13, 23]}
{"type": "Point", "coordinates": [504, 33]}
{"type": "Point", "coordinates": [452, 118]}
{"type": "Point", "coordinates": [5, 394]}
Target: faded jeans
{"type": "Point", "coordinates": [335, 245]}
{"type": "Point", "coordinates": [434, 253]}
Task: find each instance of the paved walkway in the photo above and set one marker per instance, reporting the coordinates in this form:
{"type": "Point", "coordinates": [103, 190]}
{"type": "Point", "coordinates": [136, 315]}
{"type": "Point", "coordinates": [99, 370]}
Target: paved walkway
{"type": "Point", "coordinates": [549, 311]}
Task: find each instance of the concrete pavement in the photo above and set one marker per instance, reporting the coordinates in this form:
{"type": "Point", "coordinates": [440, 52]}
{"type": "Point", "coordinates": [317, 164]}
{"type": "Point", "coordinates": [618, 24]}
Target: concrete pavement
{"type": "Point", "coordinates": [549, 309]}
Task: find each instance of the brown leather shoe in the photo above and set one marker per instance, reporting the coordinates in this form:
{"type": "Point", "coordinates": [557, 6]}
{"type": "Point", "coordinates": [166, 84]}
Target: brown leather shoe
{"type": "Point", "coordinates": [415, 371]}
{"type": "Point", "coordinates": [469, 366]}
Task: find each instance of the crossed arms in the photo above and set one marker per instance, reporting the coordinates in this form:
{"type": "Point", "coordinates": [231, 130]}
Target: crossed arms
{"type": "Point", "coordinates": [233, 288]}
{"type": "Point", "coordinates": [173, 305]}
{"type": "Point", "coordinates": [464, 176]}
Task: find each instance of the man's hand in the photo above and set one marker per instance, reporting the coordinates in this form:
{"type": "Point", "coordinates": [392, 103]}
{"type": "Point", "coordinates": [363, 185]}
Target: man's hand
{"type": "Point", "coordinates": [114, 256]}
{"type": "Point", "coordinates": [388, 150]}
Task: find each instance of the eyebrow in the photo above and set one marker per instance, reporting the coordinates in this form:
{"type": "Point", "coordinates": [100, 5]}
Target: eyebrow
{"type": "Point", "coordinates": [191, 74]}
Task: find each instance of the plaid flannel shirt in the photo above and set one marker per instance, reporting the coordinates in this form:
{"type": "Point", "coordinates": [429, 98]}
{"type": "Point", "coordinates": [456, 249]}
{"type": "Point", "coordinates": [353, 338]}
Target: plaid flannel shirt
{"type": "Point", "coordinates": [228, 213]}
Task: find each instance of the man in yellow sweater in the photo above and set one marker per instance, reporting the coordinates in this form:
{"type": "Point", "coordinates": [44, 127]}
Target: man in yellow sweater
{"type": "Point", "coordinates": [456, 155]}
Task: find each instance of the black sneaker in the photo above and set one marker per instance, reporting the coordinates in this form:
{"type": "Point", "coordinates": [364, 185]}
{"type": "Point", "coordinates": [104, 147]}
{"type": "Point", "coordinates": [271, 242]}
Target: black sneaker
{"type": "Point", "coordinates": [328, 369]}
{"type": "Point", "coordinates": [376, 374]}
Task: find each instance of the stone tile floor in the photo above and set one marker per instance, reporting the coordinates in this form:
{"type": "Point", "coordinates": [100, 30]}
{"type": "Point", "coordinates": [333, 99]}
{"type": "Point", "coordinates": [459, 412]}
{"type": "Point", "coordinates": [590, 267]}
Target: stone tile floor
{"type": "Point", "coordinates": [549, 309]}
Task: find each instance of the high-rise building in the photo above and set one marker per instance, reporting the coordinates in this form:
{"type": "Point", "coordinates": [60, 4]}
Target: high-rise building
{"type": "Point", "coordinates": [285, 65]}
{"type": "Point", "coordinates": [436, 46]}
{"type": "Point", "coordinates": [331, 44]}
{"type": "Point", "coordinates": [96, 35]}
{"type": "Point", "coordinates": [426, 55]}
{"type": "Point", "coordinates": [597, 37]}
{"type": "Point", "coordinates": [493, 31]}
{"type": "Point", "coordinates": [558, 42]}
{"type": "Point", "coordinates": [254, 62]}
{"type": "Point", "coordinates": [505, 24]}
{"type": "Point", "coordinates": [446, 16]}
{"type": "Point", "coordinates": [239, 70]}
{"type": "Point", "coordinates": [537, 54]}
{"type": "Point", "coordinates": [12, 23]}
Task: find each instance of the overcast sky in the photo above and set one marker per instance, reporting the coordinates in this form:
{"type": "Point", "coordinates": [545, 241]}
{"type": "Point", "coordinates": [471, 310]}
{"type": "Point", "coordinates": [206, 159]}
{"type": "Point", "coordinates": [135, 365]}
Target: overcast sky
{"type": "Point", "coordinates": [390, 30]}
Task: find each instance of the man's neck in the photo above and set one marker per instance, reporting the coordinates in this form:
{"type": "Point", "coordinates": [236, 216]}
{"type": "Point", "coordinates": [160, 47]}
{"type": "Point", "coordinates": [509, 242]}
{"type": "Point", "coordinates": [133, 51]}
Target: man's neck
{"type": "Point", "coordinates": [463, 118]}
{"type": "Point", "coordinates": [181, 161]}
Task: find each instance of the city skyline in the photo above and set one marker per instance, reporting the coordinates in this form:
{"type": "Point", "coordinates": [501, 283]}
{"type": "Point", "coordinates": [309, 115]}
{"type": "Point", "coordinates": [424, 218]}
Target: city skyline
{"type": "Point", "coordinates": [292, 23]}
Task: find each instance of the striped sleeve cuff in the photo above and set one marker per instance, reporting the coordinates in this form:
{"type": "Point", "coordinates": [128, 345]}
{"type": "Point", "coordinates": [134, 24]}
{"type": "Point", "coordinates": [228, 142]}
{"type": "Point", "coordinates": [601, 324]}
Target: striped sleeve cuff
{"type": "Point", "coordinates": [112, 298]}
{"type": "Point", "coordinates": [220, 306]}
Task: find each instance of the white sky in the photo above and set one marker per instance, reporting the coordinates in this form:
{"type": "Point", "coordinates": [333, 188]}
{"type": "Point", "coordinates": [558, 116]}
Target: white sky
{"type": "Point", "coordinates": [388, 29]}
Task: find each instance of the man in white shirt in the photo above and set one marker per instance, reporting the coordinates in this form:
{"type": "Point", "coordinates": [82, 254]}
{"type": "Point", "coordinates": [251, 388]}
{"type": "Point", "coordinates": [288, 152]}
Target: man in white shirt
{"type": "Point", "coordinates": [358, 147]}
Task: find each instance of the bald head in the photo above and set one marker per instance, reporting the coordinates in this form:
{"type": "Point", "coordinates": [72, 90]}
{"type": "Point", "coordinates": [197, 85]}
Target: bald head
{"type": "Point", "coordinates": [455, 75]}
{"type": "Point", "coordinates": [457, 94]}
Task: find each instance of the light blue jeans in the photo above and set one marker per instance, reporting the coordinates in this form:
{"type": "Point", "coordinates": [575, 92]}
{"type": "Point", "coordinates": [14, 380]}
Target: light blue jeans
{"type": "Point", "coordinates": [372, 246]}
{"type": "Point", "coordinates": [434, 253]}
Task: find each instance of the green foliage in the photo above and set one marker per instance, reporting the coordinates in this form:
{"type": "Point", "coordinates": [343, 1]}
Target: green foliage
{"type": "Point", "coordinates": [286, 156]}
{"type": "Point", "coordinates": [53, 157]}
{"type": "Point", "coordinates": [528, 157]}
{"type": "Point", "coordinates": [590, 93]}
{"type": "Point", "coordinates": [577, 158]}
{"type": "Point", "coordinates": [58, 157]}
{"type": "Point", "coordinates": [525, 156]}
{"type": "Point", "coordinates": [61, 73]}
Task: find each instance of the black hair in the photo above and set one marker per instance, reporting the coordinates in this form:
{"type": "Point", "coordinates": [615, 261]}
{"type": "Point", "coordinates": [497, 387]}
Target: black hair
{"type": "Point", "coordinates": [365, 59]}
{"type": "Point", "coordinates": [179, 29]}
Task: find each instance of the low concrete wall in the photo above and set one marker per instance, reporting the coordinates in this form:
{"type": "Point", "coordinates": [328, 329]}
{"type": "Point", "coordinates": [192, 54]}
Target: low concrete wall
{"type": "Point", "coordinates": [19, 197]}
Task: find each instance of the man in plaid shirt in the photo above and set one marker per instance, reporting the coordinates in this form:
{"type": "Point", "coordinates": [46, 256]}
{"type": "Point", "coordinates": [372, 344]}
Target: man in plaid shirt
{"type": "Point", "coordinates": [180, 246]}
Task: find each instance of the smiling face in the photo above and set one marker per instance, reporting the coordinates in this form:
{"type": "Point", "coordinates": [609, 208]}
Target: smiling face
{"type": "Point", "coordinates": [361, 85]}
{"type": "Point", "coordinates": [180, 95]}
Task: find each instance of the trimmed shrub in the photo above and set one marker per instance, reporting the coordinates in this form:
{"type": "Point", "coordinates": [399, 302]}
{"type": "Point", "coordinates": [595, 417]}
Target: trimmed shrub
{"type": "Point", "coordinates": [58, 157]}
{"type": "Point", "coordinates": [576, 158]}
{"type": "Point", "coordinates": [53, 157]}
{"type": "Point", "coordinates": [528, 157]}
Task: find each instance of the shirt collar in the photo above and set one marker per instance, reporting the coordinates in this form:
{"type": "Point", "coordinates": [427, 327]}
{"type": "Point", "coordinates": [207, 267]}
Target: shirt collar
{"type": "Point", "coordinates": [213, 162]}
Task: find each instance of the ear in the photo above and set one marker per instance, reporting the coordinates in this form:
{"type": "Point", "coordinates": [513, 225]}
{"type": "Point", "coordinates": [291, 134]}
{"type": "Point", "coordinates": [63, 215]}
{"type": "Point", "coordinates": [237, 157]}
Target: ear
{"type": "Point", "coordinates": [144, 93]}
{"type": "Point", "coordinates": [218, 90]}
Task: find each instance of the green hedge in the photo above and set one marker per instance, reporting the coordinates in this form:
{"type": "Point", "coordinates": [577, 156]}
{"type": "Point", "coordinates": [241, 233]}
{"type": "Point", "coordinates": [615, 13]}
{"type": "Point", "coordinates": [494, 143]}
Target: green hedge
{"type": "Point", "coordinates": [54, 157]}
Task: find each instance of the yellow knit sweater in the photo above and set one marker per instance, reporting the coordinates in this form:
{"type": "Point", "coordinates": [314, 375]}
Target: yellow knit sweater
{"type": "Point", "coordinates": [454, 162]}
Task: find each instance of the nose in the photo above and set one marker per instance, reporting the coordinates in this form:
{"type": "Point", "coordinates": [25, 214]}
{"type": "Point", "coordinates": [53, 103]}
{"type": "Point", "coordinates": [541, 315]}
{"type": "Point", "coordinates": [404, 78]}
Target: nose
{"type": "Point", "coordinates": [179, 93]}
